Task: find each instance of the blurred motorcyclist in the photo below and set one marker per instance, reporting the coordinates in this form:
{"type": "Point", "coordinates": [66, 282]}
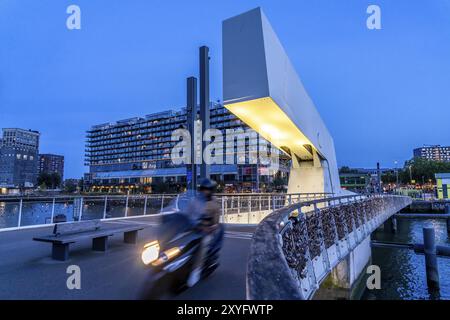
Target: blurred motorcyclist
{"type": "Point", "coordinates": [205, 207]}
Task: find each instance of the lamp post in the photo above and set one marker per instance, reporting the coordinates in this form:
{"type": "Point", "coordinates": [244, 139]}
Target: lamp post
{"type": "Point", "coordinates": [396, 174]}
{"type": "Point", "coordinates": [410, 174]}
{"type": "Point", "coordinates": [191, 172]}
{"type": "Point", "coordinates": [378, 178]}
{"type": "Point", "coordinates": [204, 105]}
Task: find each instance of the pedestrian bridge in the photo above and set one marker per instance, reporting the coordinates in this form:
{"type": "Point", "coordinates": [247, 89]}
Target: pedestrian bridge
{"type": "Point", "coordinates": [294, 248]}
{"type": "Point", "coordinates": [297, 246]}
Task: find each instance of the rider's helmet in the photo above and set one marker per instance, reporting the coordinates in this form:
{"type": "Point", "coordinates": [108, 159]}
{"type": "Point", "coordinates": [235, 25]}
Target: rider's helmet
{"type": "Point", "coordinates": [208, 184]}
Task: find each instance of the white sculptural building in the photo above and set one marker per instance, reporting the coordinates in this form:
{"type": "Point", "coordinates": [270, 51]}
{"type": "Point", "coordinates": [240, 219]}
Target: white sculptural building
{"type": "Point", "coordinates": [262, 88]}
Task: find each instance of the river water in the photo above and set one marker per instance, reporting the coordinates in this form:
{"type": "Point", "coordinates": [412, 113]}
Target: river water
{"type": "Point", "coordinates": [34, 213]}
{"type": "Point", "coordinates": [403, 271]}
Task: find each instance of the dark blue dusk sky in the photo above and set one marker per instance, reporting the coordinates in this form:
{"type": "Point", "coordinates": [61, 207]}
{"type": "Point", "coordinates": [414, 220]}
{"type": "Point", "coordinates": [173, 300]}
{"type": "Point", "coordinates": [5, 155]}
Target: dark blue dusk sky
{"type": "Point", "coordinates": [381, 93]}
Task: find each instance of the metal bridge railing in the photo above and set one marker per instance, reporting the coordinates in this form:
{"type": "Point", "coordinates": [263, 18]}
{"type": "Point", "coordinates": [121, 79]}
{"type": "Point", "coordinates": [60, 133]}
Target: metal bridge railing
{"type": "Point", "coordinates": [39, 211]}
{"type": "Point", "coordinates": [252, 208]}
{"type": "Point", "coordinates": [304, 241]}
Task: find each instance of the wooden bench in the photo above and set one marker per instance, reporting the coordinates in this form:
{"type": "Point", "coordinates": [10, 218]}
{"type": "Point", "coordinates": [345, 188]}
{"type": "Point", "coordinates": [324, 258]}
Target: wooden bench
{"type": "Point", "coordinates": [66, 233]}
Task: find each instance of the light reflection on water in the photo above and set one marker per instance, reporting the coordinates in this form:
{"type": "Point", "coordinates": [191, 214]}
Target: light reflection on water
{"type": "Point", "coordinates": [34, 213]}
{"type": "Point", "coordinates": [403, 271]}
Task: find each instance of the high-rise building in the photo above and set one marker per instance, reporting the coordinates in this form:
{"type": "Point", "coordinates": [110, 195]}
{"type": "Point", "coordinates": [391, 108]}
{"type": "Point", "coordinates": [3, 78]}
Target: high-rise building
{"type": "Point", "coordinates": [436, 153]}
{"type": "Point", "coordinates": [136, 153]}
{"type": "Point", "coordinates": [19, 152]}
{"type": "Point", "coordinates": [51, 163]}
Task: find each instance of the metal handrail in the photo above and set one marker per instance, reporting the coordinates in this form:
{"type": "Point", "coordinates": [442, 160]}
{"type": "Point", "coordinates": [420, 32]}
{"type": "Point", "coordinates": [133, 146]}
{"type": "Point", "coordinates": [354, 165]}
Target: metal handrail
{"type": "Point", "coordinates": [282, 230]}
{"type": "Point", "coordinates": [232, 204]}
{"type": "Point", "coordinates": [306, 194]}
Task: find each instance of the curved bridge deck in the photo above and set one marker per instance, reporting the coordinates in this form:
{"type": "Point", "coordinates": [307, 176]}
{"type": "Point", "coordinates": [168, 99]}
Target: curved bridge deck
{"type": "Point", "coordinates": [28, 272]}
{"type": "Point", "coordinates": [287, 260]}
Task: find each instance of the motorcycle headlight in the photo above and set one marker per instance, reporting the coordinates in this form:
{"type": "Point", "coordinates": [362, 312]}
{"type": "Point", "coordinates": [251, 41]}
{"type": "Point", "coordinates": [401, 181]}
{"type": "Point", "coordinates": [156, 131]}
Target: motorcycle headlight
{"type": "Point", "coordinates": [150, 253]}
{"type": "Point", "coordinates": [167, 255]}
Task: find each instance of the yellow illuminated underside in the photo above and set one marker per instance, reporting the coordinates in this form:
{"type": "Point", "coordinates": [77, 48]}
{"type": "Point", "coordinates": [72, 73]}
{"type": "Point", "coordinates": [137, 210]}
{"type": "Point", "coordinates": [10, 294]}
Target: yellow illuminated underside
{"type": "Point", "coordinates": [266, 118]}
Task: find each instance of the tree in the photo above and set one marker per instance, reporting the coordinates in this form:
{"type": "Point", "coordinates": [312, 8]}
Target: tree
{"type": "Point", "coordinates": [49, 180]}
{"type": "Point", "coordinates": [44, 180]}
{"type": "Point", "coordinates": [56, 180]}
{"type": "Point", "coordinates": [70, 186]}
{"type": "Point", "coordinates": [422, 170]}
{"type": "Point", "coordinates": [346, 169]}
{"type": "Point", "coordinates": [389, 177]}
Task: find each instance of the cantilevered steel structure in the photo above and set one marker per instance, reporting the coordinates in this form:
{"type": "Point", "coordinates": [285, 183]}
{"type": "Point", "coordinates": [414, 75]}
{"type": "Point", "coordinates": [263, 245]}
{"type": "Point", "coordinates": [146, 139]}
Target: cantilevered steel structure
{"type": "Point", "coordinates": [262, 88]}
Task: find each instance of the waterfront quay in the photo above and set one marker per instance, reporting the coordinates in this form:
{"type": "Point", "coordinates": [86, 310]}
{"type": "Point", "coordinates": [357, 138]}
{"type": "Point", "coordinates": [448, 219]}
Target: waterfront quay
{"type": "Point", "coordinates": [427, 206]}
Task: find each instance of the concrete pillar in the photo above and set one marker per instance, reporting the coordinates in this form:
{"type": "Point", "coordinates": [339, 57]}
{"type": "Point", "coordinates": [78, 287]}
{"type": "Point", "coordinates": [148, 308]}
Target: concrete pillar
{"type": "Point", "coordinates": [309, 176]}
{"type": "Point", "coordinates": [390, 225]}
{"type": "Point", "coordinates": [347, 279]}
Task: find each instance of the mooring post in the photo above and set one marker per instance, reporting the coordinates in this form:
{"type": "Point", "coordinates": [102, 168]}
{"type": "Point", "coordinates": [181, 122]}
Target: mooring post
{"type": "Point", "coordinates": [394, 224]}
{"type": "Point", "coordinates": [430, 258]}
{"type": "Point", "coordinates": [390, 225]}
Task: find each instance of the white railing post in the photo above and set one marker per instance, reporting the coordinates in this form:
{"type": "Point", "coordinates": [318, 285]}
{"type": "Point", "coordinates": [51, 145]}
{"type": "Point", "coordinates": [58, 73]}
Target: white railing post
{"type": "Point", "coordinates": [249, 208]}
{"type": "Point", "coordinates": [162, 202]}
{"type": "Point", "coordinates": [105, 207]}
{"type": "Point", "coordinates": [145, 205]}
{"type": "Point", "coordinates": [226, 206]}
{"type": "Point", "coordinates": [81, 209]}
{"type": "Point", "coordinates": [178, 198]}
{"type": "Point", "coordinates": [239, 204]}
{"type": "Point", "coordinates": [20, 213]}
{"type": "Point", "coordinates": [53, 210]}
{"type": "Point", "coordinates": [126, 207]}
{"type": "Point", "coordinates": [223, 209]}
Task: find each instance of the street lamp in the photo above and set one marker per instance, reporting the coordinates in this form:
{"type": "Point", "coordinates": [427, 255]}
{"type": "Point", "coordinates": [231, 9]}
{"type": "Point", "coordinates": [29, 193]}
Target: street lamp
{"type": "Point", "coordinates": [396, 173]}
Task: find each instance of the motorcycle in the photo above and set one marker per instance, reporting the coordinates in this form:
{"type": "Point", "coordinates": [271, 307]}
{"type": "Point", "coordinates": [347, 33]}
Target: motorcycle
{"type": "Point", "coordinates": [170, 258]}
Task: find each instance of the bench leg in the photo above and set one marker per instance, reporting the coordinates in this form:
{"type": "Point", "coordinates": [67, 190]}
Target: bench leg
{"type": "Point", "coordinates": [130, 237]}
{"type": "Point", "coordinates": [60, 251]}
{"type": "Point", "coordinates": [100, 244]}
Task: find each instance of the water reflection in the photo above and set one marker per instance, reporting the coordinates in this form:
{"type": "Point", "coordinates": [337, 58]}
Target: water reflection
{"type": "Point", "coordinates": [403, 271]}
{"type": "Point", "coordinates": [34, 213]}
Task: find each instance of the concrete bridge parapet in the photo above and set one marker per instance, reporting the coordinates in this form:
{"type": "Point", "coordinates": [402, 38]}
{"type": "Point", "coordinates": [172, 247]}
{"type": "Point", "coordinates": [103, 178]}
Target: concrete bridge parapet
{"type": "Point", "coordinates": [295, 248]}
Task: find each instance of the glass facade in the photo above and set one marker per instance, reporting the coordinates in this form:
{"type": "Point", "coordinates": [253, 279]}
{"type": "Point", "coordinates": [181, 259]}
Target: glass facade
{"type": "Point", "coordinates": [137, 151]}
{"type": "Point", "coordinates": [436, 153]}
{"type": "Point", "coordinates": [19, 151]}
{"type": "Point", "coordinates": [51, 163]}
